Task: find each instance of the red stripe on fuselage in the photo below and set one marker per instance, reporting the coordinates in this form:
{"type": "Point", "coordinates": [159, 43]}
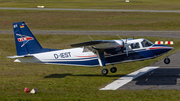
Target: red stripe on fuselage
{"type": "Point", "coordinates": [90, 56]}
{"type": "Point", "coordinates": [87, 56]}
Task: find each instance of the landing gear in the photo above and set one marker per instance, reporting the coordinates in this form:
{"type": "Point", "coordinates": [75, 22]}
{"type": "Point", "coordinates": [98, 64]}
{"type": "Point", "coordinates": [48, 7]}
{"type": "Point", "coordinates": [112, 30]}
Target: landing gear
{"type": "Point", "coordinates": [167, 60]}
{"type": "Point", "coordinates": [104, 71]}
{"type": "Point", "coordinates": [113, 69]}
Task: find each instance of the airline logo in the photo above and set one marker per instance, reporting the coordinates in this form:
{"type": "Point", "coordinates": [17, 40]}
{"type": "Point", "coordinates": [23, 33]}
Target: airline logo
{"type": "Point", "coordinates": [24, 39]}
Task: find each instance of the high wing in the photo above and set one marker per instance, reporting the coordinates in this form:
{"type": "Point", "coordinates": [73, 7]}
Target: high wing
{"type": "Point", "coordinates": [89, 43]}
{"type": "Point", "coordinates": [100, 44]}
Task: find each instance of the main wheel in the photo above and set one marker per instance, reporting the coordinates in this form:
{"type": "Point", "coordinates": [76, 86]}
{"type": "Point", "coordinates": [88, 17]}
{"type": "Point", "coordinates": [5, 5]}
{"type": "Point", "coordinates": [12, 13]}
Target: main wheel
{"type": "Point", "coordinates": [104, 71]}
{"type": "Point", "coordinates": [167, 61]}
{"type": "Point", "coordinates": [113, 69]}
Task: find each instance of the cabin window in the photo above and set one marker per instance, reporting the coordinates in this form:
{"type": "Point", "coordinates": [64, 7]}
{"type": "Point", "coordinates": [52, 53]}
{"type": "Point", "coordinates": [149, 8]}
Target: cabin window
{"type": "Point", "coordinates": [85, 49]}
{"type": "Point", "coordinates": [135, 45]}
{"type": "Point", "coordinates": [146, 43]}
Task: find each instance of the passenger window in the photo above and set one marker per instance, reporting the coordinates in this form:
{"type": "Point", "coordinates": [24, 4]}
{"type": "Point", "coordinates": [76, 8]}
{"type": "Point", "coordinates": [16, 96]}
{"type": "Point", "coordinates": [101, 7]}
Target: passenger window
{"type": "Point", "coordinates": [85, 49]}
{"type": "Point", "coordinates": [146, 43]}
{"type": "Point", "coordinates": [135, 45]}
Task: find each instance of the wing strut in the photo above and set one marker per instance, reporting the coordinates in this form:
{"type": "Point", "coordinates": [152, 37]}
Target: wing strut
{"type": "Point", "coordinates": [102, 62]}
{"type": "Point", "coordinates": [101, 59]}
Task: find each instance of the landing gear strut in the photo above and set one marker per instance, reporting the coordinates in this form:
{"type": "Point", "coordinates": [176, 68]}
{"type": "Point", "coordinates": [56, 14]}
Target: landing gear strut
{"type": "Point", "coordinates": [167, 60]}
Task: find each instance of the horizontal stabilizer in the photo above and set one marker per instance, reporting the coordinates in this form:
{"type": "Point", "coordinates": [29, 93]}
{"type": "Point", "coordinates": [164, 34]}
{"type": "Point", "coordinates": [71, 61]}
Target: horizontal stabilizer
{"type": "Point", "coordinates": [90, 43]}
{"type": "Point", "coordinates": [22, 56]}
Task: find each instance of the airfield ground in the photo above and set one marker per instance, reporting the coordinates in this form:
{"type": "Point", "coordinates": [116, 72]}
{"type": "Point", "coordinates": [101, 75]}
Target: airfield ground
{"type": "Point", "coordinates": [56, 82]}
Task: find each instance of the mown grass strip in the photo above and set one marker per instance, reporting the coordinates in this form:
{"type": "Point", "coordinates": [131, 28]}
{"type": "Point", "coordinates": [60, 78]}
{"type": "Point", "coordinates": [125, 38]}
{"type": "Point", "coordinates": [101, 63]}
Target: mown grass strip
{"type": "Point", "coordinates": [97, 4]}
{"type": "Point", "coordinates": [79, 20]}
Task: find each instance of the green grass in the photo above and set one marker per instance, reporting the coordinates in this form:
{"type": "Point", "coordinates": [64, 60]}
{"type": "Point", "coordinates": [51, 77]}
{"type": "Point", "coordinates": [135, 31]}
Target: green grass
{"type": "Point", "coordinates": [77, 20]}
{"type": "Point", "coordinates": [57, 82]}
{"type": "Point", "coordinates": [98, 4]}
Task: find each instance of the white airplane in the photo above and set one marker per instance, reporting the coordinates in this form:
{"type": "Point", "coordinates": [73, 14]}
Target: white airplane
{"type": "Point", "coordinates": [91, 53]}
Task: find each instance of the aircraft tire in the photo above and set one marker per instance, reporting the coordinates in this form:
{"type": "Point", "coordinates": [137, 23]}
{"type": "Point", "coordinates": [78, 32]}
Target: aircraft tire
{"type": "Point", "coordinates": [167, 60]}
{"type": "Point", "coordinates": [104, 71]}
{"type": "Point", "coordinates": [113, 70]}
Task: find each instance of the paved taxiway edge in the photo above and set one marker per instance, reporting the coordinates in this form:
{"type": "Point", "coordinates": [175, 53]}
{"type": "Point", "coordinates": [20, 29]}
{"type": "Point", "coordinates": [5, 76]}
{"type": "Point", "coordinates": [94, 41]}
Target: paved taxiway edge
{"type": "Point", "coordinates": [125, 79]}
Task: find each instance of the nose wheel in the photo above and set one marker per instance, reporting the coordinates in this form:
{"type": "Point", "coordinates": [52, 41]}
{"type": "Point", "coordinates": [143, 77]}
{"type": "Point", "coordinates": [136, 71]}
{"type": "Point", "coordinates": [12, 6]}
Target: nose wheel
{"type": "Point", "coordinates": [167, 60]}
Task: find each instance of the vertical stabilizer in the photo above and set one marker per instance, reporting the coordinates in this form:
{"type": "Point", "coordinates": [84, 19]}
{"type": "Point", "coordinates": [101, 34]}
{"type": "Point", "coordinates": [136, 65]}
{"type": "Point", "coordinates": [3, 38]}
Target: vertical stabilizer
{"type": "Point", "coordinates": [25, 41]}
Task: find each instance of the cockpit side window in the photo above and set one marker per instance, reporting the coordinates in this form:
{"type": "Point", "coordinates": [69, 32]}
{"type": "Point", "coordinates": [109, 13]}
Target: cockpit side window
{"type": "Point", "coordinates": [135, 45]}
{"type": "Point", "coordinates": [146, 43]}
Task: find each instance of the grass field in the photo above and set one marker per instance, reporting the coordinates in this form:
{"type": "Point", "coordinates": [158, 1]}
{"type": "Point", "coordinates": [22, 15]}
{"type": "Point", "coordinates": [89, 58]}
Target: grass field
{"type": "Point", "coordinates": [56, 82]}
{"type": "Point", "coordinates": [77, 20]}
{"type": "Point", "coordinates": [98, 4]}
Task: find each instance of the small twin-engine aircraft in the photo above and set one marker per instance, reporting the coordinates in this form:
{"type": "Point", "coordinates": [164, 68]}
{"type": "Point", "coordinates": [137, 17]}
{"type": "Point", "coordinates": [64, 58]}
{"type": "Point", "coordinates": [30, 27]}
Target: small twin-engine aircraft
{"type": "Point", "coordinates": [91, 53]}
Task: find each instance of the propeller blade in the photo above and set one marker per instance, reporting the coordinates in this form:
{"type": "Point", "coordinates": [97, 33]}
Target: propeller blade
{"type": "Point", "coordinates": [126, 50]}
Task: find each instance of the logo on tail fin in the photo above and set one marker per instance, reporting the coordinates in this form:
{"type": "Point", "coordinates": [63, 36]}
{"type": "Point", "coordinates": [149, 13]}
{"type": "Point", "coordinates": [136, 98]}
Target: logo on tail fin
{"type": "Point", "coordinates": [25, 39]}
{"type": "Point", "coordinates": [22, 26]}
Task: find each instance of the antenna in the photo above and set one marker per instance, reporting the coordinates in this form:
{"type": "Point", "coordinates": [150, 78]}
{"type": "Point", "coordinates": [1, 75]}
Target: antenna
{"type": "Point", "coordinates": [118, 36]}
{"type": "Point", "coordinates": [90, 37]}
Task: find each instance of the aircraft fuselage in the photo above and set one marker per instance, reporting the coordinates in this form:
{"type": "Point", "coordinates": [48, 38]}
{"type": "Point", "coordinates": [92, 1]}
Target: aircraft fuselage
{"type": "Point", "coordinates": [77, 57]}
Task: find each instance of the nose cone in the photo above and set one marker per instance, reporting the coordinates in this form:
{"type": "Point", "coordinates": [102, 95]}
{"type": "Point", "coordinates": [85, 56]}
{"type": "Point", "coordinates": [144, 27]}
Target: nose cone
{"type": "Point", "coordinates": [160, 49]}
{"type": "Point", "coordinates": [171, 48]}
{"type": "Point", "coordinates": [168, 48]}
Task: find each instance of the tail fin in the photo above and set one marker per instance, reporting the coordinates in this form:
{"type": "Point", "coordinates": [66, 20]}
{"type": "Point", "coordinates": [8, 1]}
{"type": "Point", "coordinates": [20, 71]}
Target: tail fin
{"type": "Point", "coordinates": [25, 41]}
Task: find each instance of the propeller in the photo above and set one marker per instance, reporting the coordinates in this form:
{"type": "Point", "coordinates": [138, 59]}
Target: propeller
{"type": "Point", "coordinates": [127, 46]}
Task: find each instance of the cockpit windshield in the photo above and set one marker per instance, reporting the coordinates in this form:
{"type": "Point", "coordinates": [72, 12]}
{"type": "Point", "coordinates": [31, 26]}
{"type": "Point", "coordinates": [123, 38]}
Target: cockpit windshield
{"type": "Point", "coordinates": [146, 43]}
